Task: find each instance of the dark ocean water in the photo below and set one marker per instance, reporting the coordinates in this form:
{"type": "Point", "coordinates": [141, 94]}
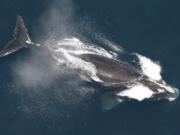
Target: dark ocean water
{"type": "Point", "coordinates": [150, 28]}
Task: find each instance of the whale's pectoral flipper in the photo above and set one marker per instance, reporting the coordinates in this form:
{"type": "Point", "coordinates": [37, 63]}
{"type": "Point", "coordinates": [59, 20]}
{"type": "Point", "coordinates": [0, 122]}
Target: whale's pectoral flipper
{"type": "Point", "coordinates": [20, 38]}
{"type": "Point", "coordinates": [110, 100]}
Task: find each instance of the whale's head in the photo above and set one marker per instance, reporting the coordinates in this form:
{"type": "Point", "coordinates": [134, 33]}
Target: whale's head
{"type": "Point", "coordinates": [144, 89]}
{"type": "Point", "coordinates": [147, 89]}
{"type": "Point", "coordinates": [162, 91]}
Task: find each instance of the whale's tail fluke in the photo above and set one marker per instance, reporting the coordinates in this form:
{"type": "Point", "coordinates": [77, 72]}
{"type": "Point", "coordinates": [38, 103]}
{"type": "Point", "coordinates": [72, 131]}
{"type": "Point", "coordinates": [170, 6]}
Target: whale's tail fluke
{"type": "Point", "coordinates": [20, 38]}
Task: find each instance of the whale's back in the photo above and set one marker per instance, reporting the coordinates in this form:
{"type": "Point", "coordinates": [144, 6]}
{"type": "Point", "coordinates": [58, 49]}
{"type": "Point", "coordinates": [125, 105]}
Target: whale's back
{"type": "Point", "coordinates": [112, 71]}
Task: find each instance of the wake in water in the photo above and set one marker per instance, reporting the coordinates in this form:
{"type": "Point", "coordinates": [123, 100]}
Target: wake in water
{"type": "Point", "coordinates": [64, 53]}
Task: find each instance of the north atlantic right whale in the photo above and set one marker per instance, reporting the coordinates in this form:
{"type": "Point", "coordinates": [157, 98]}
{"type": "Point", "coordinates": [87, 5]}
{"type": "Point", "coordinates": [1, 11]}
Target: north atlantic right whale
{"type": "Point", "coordinates": [116, 76]}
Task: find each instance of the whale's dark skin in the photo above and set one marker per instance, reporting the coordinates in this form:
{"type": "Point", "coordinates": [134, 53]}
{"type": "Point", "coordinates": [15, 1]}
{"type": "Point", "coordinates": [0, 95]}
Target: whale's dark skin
{"type": "Point", "coordinates": [116, 71]}
{"type": "Point", "coordinates": [113, 73]}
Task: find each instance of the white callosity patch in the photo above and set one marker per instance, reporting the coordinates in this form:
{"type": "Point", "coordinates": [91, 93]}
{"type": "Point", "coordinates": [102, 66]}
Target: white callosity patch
{"type": "Point", "coordinates": [138, 92]}
{"type": "Point", "coordinates": [150, 68]}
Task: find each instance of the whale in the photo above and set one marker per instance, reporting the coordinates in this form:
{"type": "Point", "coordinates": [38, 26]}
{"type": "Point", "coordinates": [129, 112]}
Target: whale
{"type": "Point", "coordinates": [114, 75]}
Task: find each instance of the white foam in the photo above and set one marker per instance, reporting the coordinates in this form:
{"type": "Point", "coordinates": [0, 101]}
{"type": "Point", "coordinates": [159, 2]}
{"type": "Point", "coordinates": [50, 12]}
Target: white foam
{"type": "Point", "coordinates": [68, 47]}
{"type": "Point", "coordinates": [138, 92]}
{"type": "Point", "coordinates": [111, 44]}
{"type": "Point", "coordinates": [74, 45]}
{"type": "Point", "coordinates": [150, 68]}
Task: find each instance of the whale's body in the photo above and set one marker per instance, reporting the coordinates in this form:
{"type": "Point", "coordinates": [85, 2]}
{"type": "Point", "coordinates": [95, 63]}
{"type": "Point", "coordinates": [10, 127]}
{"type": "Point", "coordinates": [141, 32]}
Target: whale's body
{"type": "Point", "coordinates": [113, 73]}
{"type": "Point", "coordinates": [118, 74]}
